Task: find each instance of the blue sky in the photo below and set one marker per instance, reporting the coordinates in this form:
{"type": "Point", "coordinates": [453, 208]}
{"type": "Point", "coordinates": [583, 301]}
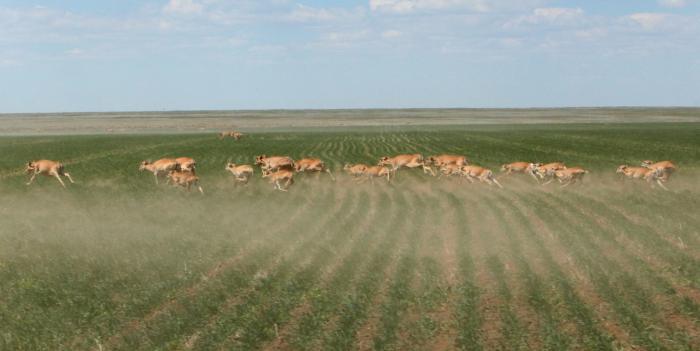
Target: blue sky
{"type": "Point", "coordinates": [88, 55]}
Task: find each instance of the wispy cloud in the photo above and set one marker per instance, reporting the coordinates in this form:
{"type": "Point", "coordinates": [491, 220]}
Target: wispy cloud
{"type": "Point", "coordinates": [302, 13]}
{"type": "Point", "coordinates": [186, 7]}
{"type": "Point", "coordinates": [409, 6]}
{"type": "Point", "coordinates": [391, 33]}
{"type": "Point", "coordinates": [673, 3]}
{"type": "Point", "coordinates": [649, 21]}
{"type": "Point", "coordinates": [559, 16]}
{"type": "Point", "coordinates": [344, 39]}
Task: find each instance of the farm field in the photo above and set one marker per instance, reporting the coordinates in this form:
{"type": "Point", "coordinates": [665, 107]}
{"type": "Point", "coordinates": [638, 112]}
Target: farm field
{"type": "Point", "coordinates": [115, 262]}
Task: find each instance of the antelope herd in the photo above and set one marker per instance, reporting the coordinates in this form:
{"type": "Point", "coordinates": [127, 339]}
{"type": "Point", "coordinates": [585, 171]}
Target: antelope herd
{"type": "Point", "coordinates": [280, 170]}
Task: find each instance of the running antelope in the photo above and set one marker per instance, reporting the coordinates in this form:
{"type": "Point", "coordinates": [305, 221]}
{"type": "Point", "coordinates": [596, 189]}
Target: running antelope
{"type": "Point", "coordinates": [408, 161]}
{"type": "Point", "coordinates": [443, 160]}
{"type": "Point", "coordinates": [242, 173]}
{"type": "Point", "coordinates": [633, 172]}
{"type": "Point", "coordinates": [377, 172]}
{"type": "Point", "coordinates": [231, 134]}
{"type": "Point", "coordinates": [546, 171]}
{"type": "Point", "coordinates": [481, 174]}
{"type": "Point", "coordinates": [278, 177]}
{"type": "Point", "coordinates": [665, 168]}
{"type": "Point", "coordinates": [274, 163]}
{"type": "Point", "coordinates": [521, 167]}
{"type": "Point", "coordinates": [47, 168]}
{"type": "Point", "coordinates": [355, 170]}
{"type": "Point", "coordinates": [450, 170]}
{"type": "Point", "coordinates": [642, 173]}
{"type": "Point", "coordinates": [159, 167]}
{"type": "Point", "coordinates": [570, 176]}
{"type": "Point", "coordinates": [185, 179]}
{"type": "Point", "coordinates": [186, 164]}
{"type": "Point", "coordinates": [312, 165]}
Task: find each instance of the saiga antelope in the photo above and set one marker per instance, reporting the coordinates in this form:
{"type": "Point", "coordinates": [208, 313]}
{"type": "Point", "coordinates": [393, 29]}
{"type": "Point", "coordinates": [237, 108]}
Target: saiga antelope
{"type": "Point", "coordinates": [408, 161]}
{"type": "Point", "coordinates": [521, 167]}
{"type": "Point", "coordinates": [481, 174]}
{"type": "Point", "coordinates": [233, 134]}
{"type": "Point", "coordinates": [546, 171]}
{"type": "Point", "coordinates": [666, 168]}
{"type": "Point", "coordinates": [280, 176]}
{"type": "Point", "coordinates": [186, 164]}
{"type": "Point", "coordinates": [311, 165]}
{"type": "Point", "coordinates": [570, 175]}
{"type": "Point", "coordinates": [443, 160]}
{"type": "Point", "coordinates": [450, 170]}
{"type": "Point", "coordinates": [377, 172]}
{"type": "Point", "coordinates": [185, 179]}
{"type": "Point", "coordinates": [355, 170]}
{"type": "Point", "coordinates": [48, 168]}
{"type": "Point", "coordinates": [159, 167]}
{"type": "Point", "coordinates": [242, 173]}
{"type": "Point", "coordinates": [642, 173]}
{"type": "Point", "coordinates": [274, 163]}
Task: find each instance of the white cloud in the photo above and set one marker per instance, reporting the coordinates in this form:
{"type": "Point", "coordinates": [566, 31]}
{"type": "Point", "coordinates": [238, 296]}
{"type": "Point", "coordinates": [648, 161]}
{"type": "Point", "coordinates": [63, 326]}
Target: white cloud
{"type": "Point", "coordinates": [408, 6]}
{"type": "Point", "coordinates": [75, 52]}
{"type": "Point", "coordinates": [185, 7]}
{"type": "Point", "coordinates": [8, 62]}
{"type": "Point", "coordinates": [344, 39]}
{"type": "Point", "coordinates": [237, 41]}
{"type": "Point", "coordinates": [591, 33]}
{"type": "Point", "coordinates": [558, 14]}
{"type": "Point", "coordinates": [390, 34]}
{"type": "Point", "coordinates": [561, 16]}
{"type": "Point", "coordinates": [649, 21]}
{"type": "Point", "coordinates": [304, 13]}
{"type": "Point", "coordinates": [673, 3]}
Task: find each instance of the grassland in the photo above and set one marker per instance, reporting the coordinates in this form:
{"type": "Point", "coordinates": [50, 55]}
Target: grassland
{"type": "Point", "coordinates": [117, 263]}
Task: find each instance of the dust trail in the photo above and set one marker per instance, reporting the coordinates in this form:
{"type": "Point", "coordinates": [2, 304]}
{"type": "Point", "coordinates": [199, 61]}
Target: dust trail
{"type": "Point", "coordinates": [308, 233]}
{"type": "Point", "coordinates": [345, 331]}
{"type": "Point", "coordinates": [246, 249]}
{"type": "Point", "coordinates": [308, 316]}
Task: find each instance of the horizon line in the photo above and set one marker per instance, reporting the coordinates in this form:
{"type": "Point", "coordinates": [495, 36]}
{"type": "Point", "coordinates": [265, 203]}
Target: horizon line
{"type": "Point", "coordinates": [360, 109]}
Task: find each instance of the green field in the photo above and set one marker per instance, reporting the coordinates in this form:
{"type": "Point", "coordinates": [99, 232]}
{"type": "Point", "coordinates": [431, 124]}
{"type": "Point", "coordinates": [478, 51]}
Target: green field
{"type": "Point", "coordinates": [115, 262]}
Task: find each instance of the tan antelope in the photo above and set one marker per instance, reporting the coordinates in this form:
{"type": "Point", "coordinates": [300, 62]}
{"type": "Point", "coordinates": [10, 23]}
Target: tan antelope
{"type": "Point", "coordinates": [186, 164]}
{"type": "Point", "coordinates": [278, 177]}
{"type": "Point", "coordinates": [185, 179]}
{"type": "Point", "coordinates": [481, 174]}
{"type": "Point", "coordinates": [665, 167]}
{"type": "Point", "coordinates": [546, 171]}
{"type": "Point", "coordinates": [311, 165]}
{"type": "Point", "coordinates": [633, 172]}
{"type": "Point", "coordinates": [521, 167]}
{"type": "Point", "coordinates": [642, 173]}
{"type": "Point", "coordinates": [450, 170]}
{"type": "Point", "coordinates": [355, 170]}
{"type": "Point", "coordinates": [47, 168]}
{"type": "Point", "coordinates": [274, 163]}
{"type": "Point", "coordinates": [570, 175]}
{"type": "Point", "coordinates": [231, 134]}
{"type": "Point", "coordinates": [242, 173]}
{"type": "Point", "coordinates": [160, 167]}
{"type": "Point", "coordinates": [408, 161]}
{"type": "Point", "coordinates": [443, 160]}
{"type": "Point", "coordinates": [377, 172]}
